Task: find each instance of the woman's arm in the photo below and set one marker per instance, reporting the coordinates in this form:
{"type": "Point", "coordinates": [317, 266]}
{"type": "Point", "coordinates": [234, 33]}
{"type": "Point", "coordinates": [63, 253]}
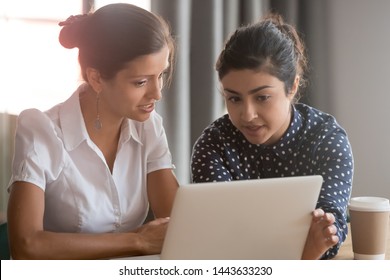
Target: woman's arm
{"type": "Point", "coordinates": [162, 186]}
{"type": "Point", "coordinates": [28, 239]}
{"type": "Point", "coordinates": [335, 164]}
{"type": "Point", "coordinates": [208, 162]}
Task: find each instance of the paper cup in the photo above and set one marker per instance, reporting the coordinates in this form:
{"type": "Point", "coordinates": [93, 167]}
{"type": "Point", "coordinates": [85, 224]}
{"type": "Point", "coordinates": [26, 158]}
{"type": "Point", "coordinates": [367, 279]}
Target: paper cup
{"type": "Point", "coordinates": [369, 219]}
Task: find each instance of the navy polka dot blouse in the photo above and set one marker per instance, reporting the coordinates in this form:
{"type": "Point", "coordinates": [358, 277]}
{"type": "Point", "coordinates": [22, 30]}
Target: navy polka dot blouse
{"type": "Point", "coordinates": [314, 144]}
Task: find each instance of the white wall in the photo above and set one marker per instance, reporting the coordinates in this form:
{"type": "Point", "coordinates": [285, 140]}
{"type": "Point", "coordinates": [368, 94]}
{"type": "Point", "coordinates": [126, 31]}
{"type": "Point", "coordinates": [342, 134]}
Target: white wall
{"type": "Point", "coordinates": [359, 76]}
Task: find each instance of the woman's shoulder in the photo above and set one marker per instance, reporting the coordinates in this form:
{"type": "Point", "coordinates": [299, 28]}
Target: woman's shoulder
{"type": "Point", "coordinates": [33, 118]}
{"type": "Point", "coordinates": [37, 138]}
{"type": "Point", "coordinates": [38, 125]}
{"type": "Point", "coordinates": [221, 126]}
{"type": "Point", "coordinates": [34, 114]}
{"type": "Point", "coordinates": [219, 131]}
{"type": "Point", "coordinates": [315, 120]}
{"type": "Point", "coordinates": [321, 129]}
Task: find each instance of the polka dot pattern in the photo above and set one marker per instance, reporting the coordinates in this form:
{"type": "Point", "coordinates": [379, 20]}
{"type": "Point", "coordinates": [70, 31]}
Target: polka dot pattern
{"type": "Point", "coordinates": [314, 144]}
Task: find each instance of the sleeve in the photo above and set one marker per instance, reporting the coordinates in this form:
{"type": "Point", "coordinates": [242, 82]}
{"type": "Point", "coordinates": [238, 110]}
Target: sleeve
{"type": "Point", "coordinates": [207, 160]}
{"type": "Point", "coordinates": [38, 155]}
{"type": "Point", "coordinates": [158, 153]}
{"type": "Point", "coordinates": [335, 163]}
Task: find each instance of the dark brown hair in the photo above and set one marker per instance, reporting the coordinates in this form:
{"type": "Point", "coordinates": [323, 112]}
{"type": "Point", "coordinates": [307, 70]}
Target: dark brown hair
{"type": "Point", "coordinates": [114, 35]}
{"type": "Point", "coordinates": [270, 45]}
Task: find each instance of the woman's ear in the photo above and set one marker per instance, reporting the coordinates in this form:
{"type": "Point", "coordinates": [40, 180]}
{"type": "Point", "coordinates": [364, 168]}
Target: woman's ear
{"type": "Point", "coordinates": [94, 79]}
{"type": "Point", "coordinates": [295, 86]}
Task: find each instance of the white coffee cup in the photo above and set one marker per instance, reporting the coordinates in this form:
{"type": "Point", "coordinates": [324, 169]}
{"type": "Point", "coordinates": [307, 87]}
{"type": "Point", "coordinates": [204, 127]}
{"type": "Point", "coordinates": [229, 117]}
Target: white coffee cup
{"type": "Point", "coordinates": [369, 219]}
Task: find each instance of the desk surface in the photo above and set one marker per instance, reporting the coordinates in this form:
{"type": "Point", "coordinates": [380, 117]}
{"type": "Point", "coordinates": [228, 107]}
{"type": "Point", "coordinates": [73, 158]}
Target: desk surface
{"type": "Point", "coordinates": [346, 253]}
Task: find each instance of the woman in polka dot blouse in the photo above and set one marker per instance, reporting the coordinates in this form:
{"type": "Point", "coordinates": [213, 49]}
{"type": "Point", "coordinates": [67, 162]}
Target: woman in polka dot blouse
{"type": "Point", "coordinates": [266, 133]}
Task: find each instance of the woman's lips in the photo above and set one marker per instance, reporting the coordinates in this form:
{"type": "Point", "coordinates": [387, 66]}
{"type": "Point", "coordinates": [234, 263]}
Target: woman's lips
{"type": "Point", "coordinates": [252, 129]}
{"type": "Point", "coordinates": [148, 108]}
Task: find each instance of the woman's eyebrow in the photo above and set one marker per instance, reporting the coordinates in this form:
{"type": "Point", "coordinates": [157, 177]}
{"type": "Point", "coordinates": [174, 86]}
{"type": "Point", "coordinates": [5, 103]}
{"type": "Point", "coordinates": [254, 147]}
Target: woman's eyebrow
{"type": "Point", "coordinates": [146, 75]}
{"type": "Point", "coordinates": [259, 89]}
{"type": "Point", "coordinates": [252, 91]}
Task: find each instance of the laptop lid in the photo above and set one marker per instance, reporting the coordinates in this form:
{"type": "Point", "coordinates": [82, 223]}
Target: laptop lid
{"type": "Point", "coordinates": [249, 219]}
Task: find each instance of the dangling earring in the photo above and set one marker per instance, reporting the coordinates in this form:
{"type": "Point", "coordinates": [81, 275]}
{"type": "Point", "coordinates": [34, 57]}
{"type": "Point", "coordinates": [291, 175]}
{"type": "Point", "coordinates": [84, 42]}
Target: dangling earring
{"type": "Point", "coordinates": [98, 123]}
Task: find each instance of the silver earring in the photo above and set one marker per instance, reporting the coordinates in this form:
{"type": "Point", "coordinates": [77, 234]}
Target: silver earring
{"type": "Point", "coordinates": [98, 123]}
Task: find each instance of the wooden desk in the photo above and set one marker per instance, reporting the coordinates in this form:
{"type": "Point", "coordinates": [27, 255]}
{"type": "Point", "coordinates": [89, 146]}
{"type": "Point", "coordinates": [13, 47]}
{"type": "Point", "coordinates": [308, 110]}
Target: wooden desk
{"type": "Point", "coordinates": [346, 253]}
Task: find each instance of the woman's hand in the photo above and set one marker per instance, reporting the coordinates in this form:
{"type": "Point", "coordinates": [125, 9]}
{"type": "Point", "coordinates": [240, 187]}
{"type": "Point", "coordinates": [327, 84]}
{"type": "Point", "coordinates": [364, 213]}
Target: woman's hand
{"type": "Point", "coordinates": [152, 236]}
{"type": "Point", "coordinates": [322, 235]}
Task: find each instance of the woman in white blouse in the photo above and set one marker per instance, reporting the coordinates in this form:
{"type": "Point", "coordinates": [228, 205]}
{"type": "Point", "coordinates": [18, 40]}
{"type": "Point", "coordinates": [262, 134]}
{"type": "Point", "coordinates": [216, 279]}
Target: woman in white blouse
{"type": "Point", "coordinates": [86, 171]}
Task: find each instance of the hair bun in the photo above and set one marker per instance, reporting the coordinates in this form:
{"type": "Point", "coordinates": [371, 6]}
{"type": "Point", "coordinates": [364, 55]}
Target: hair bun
{"type": "Point", "coordinates": [71, 30]}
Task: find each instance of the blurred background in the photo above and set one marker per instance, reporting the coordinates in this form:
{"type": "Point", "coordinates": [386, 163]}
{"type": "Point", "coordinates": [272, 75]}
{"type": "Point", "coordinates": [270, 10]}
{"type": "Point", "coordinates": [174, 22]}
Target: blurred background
{"type": "Point", "coordinates": [348, 43]}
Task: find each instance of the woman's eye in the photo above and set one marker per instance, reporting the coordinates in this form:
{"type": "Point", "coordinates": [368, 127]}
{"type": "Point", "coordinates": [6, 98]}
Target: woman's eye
{"type": "Point", "coordinates": [140, 83]}
{"type": "Point", "coordinates": [233, 99]}
{"type": "Point", "coordinates": [263, 98]}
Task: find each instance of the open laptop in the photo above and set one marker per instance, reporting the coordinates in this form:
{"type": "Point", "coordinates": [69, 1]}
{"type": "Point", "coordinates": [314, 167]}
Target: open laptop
{"type": "Point", "coordinates": [250, 219]}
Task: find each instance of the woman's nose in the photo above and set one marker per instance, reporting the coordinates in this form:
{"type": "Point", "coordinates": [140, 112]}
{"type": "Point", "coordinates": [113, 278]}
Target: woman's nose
{"type": "Point", "coordinates": [248, 112]}
{"type": "Point", "coordinates": [155, 90]}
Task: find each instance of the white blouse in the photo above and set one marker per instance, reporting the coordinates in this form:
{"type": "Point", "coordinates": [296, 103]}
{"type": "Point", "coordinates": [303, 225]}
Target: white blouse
{"type": "Point", "coordinates": [54, 152]}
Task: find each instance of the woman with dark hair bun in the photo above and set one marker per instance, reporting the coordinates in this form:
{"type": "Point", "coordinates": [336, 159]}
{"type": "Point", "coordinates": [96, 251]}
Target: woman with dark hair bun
{"type": "Point", "coordinates": [267, 133]}
{"type": "Point", "coordinates": [86, 172]}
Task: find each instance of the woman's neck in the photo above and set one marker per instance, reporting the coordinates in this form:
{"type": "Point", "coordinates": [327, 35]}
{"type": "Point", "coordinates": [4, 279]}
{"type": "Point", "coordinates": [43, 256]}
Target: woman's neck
{"type": "Point", "coordinates": [107, 135]}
